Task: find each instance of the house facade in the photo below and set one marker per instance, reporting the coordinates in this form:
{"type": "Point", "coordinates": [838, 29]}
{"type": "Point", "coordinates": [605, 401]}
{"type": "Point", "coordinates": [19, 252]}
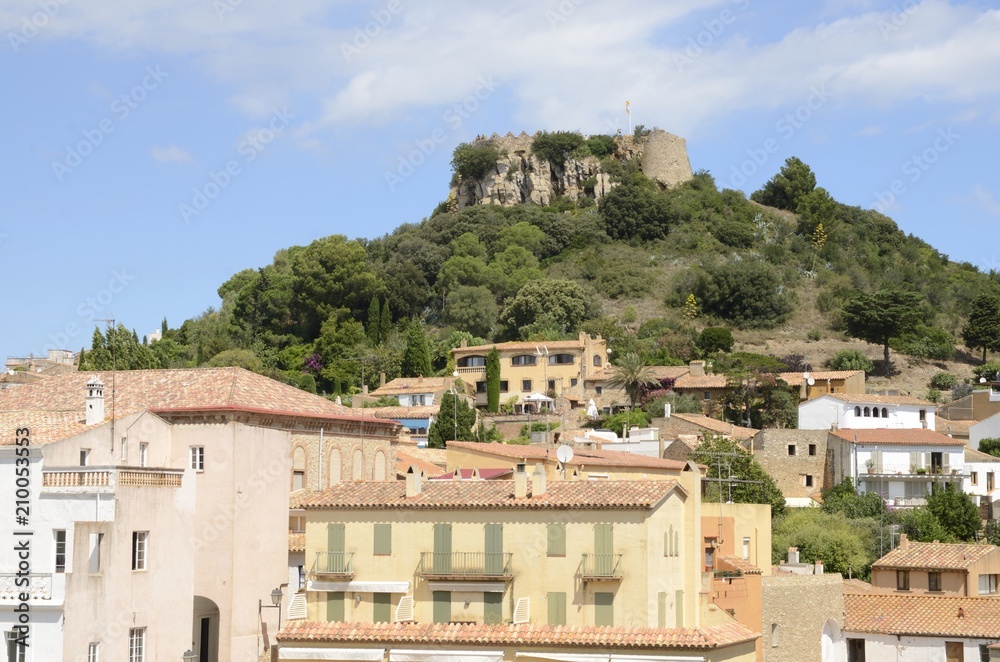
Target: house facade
{"type": "Point", "coordinates": [982, 479]}
{"type": "Point", "coordinates": [798, 460]}
{"type": "Point", "coordinates": [811, 385]}
{"type": "Point", "coordinates": [866, 411]}
{"type": "Point", "coordinates": [939, 569]}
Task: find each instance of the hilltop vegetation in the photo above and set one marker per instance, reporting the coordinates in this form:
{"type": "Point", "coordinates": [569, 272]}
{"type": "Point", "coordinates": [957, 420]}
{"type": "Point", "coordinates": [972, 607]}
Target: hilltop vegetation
{"type": "Point", "coordinates": [647, 268]}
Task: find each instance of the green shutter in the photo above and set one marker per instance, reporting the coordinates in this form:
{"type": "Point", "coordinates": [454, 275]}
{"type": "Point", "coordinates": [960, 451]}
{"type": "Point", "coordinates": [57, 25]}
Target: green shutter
{"type": "Point", "coordinates": [679, 608]}
{"type": "Point", "coordinates": [604, 547]}
{"type": "Point", "coordinates": [381, 608]}
{"type": "Point", "coordinates": [442, 549]}
{"type": "Point", "coordinates": [493, 608]}
{"type": "Point", "coordinates": [442, 606]}
{"type": "Point", "coordinates": [604, 609]}
{"type": "Point", "coordinates": [661, 609]}
{"type": "Point", "coordinates": [335, 606]}
{"type": "Point", "coordinates": [494, 549]}
{"type": "Point", "coordinates": [557, 608]}
{"type": "Point", "coordinates": [557, 539]}
{"type": "Point", "coordinates": [383, 539]}
{"type": "Point", "coordinates": [336, 560]}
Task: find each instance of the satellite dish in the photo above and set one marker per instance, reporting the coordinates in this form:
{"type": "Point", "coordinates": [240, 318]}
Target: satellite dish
{"type": "Point", "coordinates": [982, 380]}
{"type": "Point", "coordinates": [810, 381]}
{"type": "Point", "coordinates": [805, 376]}
{"type": "Point", "coordinates": [564, 454]}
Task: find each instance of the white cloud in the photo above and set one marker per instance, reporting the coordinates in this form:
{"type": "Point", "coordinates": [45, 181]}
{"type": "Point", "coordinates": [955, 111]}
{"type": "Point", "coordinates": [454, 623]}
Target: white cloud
{"type": "Point", "coordinates": [985, 200]}
{"type": "Point", "coordinates": [172, 154]}
{"type": "Point", "coordinates": [871, 130]}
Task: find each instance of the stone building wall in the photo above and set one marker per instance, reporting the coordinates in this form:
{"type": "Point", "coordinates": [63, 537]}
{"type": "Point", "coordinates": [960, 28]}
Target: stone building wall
{"type": "Point", "coordinates": [802, 615]}
{"type": "Point", "coordinates": [377, 459]}
{"type": "Point", "coordinates": [771, 449]}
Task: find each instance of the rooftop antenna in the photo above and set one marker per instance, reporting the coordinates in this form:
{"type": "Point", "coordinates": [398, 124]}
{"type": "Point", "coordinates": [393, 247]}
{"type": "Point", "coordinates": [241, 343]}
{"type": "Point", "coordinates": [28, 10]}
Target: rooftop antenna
{"type": "Point", "coordinates": [114, 371]}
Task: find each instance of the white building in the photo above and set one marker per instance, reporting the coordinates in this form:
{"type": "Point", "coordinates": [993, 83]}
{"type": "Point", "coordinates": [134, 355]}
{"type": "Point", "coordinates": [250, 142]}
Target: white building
{"type": "Point", "coordinates": [865, 411]}
{"type": "Point", "coordinates": [982, 472]}
{"type": "Point", "coordinates": [986, 429]}
{"type": "Point", "coordinates": [899, 465]}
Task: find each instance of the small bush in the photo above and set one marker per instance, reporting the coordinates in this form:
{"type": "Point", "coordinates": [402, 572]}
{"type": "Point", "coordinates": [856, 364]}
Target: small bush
{"type": "Point", "coordinates": [988, 371]}
{"type": "Point", "coordinates": [473, 162]}
{"type": "Point", "coordinates": [851, 359]}
{"type": "Point", "coordinates": [716, 339]}
{"type": "Point", "coordinates": [814, 335]}
{"type": "Point", "coordinates": [601, 145]}
{"type": "Point", "coordinates": [556, 147]}
{"type": "Point", "coordinates": [943, 381]}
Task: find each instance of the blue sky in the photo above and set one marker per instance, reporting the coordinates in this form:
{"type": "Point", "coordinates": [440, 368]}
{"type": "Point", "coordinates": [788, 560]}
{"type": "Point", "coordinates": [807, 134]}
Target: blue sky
{"type": "Point", "coordinates": [154, 149]}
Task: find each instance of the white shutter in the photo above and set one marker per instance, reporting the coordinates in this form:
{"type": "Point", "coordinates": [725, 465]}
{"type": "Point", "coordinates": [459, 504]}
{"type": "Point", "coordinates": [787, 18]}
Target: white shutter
{"type": "Point", "coordinates": [522, 611]}
{"type": "Point", "coordinates": [404, 612]}
{"type": "Point", "coordinates": [297, 607]}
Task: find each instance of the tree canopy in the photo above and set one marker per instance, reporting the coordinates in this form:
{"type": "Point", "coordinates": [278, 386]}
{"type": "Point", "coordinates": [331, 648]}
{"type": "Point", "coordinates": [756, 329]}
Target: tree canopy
{"type": "Point", "coordinates": [726, 459]}
{"type": "Point", "coordinates": [877, 318]}
{"type": "Point", "coordinates": [982, 330]}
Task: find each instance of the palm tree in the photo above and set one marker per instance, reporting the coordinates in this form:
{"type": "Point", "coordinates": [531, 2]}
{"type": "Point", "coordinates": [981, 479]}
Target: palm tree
{"type": "Point", "coordinates": [631, 374]}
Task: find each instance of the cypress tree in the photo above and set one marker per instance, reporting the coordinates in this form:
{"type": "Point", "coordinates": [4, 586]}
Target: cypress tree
{"type": "Point", "coordinates": [417, 358]}
{"type": "Point", "coordinates": [493, 381]}
{"type": "Point", "coordinates": [385, 323]}
{"type": "Point", "coordinates": [372, 326]}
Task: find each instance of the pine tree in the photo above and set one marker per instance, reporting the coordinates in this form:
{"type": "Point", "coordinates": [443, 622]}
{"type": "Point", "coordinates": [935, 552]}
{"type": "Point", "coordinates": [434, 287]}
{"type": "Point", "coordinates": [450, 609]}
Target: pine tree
{"type": "Point", "coordinates": [691, 307]}
{"type": "Point", "coordinates": [385, 322]}
{"type": "Point", "coordinates": [445, 428]}
{"type": "Point", "coordinates": [372, 325]}
{"type": "Point", "coordinates": [982, 330]}
{"type": "Point", "coordinates": [163, 327]}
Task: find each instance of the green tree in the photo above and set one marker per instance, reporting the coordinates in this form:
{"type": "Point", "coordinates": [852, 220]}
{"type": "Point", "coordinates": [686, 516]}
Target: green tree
{"type": "Point", "coordinates": [444, 428]}
{"type": "Point", "coordinates": [384, 322]}
{"type": "Point", "coordinates": [877, 318]}
{"type": "Point", "coordinates": [922, 525]}
{"type": "Point", "coordinates": [955, 510]}
{"type": "Point", "coordinates": [990, 445]}
{"type": "Point", "coordinates": [557, 146]}
{"type": "Point", "coordinates": [726, 459]}
{"type": "Point", "coordinates": [844, 499]}
{"type": "Point", "coordinates": [990, 371]}
{"type": "Point", "coordinates": [81, 363]}
{"type": "Point", "coordinates": [493, 381]}
{"type": "Point", "coordinates": [715, 339]}
{"type": "Point", "coordinates": [842, 544]}
{"type": "Point", "coordinates": [417, 358]}
{"type": "Point", "coordinates": [473, 162]}
{"type": "Point", "coordinates": [788, 187]}
{"type": "Point", "coordinates": [373, 322]}
{"type": "Point", "coordinates": [982, 330]}
{"type": "Point", "coordinates": [121, 350]}
{"type": "Point", "coordinates": [747, 293]}
{"type": "Point", "coordinates": [471, 309]}
{"type": "Point", "coordinates": [636, 213]}
{"type": "Point", "coordinates": [993, 532]}
{"type": "Point", "coordinates": [565, 303]}
{"type": "Point", "coordinates": [851, 359]}
{"type": "Point", "coordinates": [631, 373]}
{"type": "Point", "coordinates": [240, 358]}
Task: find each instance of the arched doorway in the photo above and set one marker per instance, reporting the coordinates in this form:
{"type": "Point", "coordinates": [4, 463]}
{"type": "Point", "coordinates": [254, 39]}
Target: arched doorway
{"type": "Point", "coordinates": [833, 647]}
{"type": "Point", "coordinates": [205, 634]}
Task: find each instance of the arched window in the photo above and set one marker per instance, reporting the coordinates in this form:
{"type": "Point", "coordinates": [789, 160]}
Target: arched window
{"type": "Point", "coordinates": [524, 359]}
{"type": "Point", "coordinates": [875, 412]}
{"type": "Point", "coordinates": [598, 360]}
{"type": "Point", "coordinates": [561, 359]}
{"type": "Point", "coordinates": [885, 413]}
{"type": "Point", "coordinates": [868, 412]}
{"type": "Point", "coordinates": [299, 468]}
{"type": "Point", "coordinates": [380, 466]}
{"type": "Point", "coordinates": [357, 470]}
{"type": "Point", "coordinates": [472, 361]}
{"type": "Point", "coordinates": [857, 411]}
{"type": "Point", "coordinates": [335, 466]}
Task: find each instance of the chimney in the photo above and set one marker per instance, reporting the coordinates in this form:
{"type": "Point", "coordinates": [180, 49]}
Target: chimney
{"type": "Point", "coordinates": [520, 482]}
{"type": "Point", "coordinates": [904, 542]}
{"type": "Point", "coordinates": [412, 482]}
{"type": "Point", "coordinates": [538, 481]}
{"type": "Point", "coordinates": [95, 401]}
{"type": "Point", "coordinates": [793, 554]}
{"type": "Point", "coordinates": [464, 343]}
{"type": "Point", "coordinates": [696, 368]}
{"type": "Point", "coordinates": [819, 568]}
{"type": "Point", "coordinates": [381, 379]}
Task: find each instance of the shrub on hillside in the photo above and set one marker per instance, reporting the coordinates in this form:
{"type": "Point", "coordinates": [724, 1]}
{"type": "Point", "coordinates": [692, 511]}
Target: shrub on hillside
{"type": "Point", "coordinates": [557, 146]}
{"type": "Point", "coordinates": [943, 381]}
{"type": "Point", "coordinates": [851, 359]}
{"type": "Point", "coordinates": [988, 371]}
{"type": "Point", "coordinates": [473, 162]}
{"type": "Point", "coordinates": [715, 339]}
{"type": "Point", "coordinates": [747, 293]}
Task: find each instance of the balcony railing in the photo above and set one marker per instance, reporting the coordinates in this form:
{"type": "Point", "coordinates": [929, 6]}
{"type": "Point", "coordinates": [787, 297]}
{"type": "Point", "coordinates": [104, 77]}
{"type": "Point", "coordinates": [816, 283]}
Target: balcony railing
{"type": "Point", "coordinates": [108, 478]}
{"type": "Point", "coordinates": [340, 564]}
{"type": "Point", "coordinates": [39, 587]}
{"type": "Point", "coordinates": [595, 567]}
{"type": "Point", "coordinates": [465, 565]}
{"type": "Point", "coordinates": [471, 370]}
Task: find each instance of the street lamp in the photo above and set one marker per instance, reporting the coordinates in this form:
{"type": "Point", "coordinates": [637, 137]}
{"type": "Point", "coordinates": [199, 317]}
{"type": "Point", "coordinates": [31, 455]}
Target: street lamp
{"type": "Point", "coordinates": [275, 604]}
{"type": "Point", "coordinates": [189, 656]}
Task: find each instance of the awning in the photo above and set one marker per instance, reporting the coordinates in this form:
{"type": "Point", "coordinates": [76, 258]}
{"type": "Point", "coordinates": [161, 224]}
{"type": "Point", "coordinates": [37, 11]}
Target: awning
{"type": "Point", "coordinates": [469, 587]}
{"type": "Point", "coordinates": [360, 587]}
{"type": "Point", "coordinates": [565, 657]}
{"type": "Point", "coordinates": [399, 655]}
{"type": "Point", "coordinates": [343, 654]}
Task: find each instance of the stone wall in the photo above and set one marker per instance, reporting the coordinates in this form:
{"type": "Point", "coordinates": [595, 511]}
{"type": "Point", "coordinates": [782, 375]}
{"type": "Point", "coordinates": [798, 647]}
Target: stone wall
{"type": "Point", "coordinates": [771, 449]}
{"type": "Point", "coordinates": [521, 178]}
{"type": "Point", "coordinates": [802, 615]}
{"type": "Point", "coordinates": [336, 463]}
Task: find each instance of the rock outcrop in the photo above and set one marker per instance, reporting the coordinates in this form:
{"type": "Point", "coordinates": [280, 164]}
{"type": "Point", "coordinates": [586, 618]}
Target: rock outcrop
{"type": "Point", "coordinates": [520, 177]}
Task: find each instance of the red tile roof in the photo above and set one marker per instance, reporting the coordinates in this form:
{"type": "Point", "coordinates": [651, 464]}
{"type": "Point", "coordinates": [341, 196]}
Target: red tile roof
{"type": "Point", "coordinates": [527, 346]}
{"type": "Point", "coordinates": [715, 425]}
{"type": "Point", "coordinates": [913, 436]}
{"type": "Point", "coordinates": [496, 495]}
{"type": "Point", "coordinates": [581, 456]}
{"type": "Point", "coordinates": [296, 542]}
{"type": "Point", "coordinates": [871, 398]}
{"type": "Point", "coordinates": [438, 456]}
{"type": "Point", "coordinates": [741, 564]}
{"type": "Point", "coordinates": [935, 555]}
{"type": "Point", "coordinates": [414, 385]}
{"type": "Point", "coordinates": [795, 378]}
{"type": "Point", "coordinates": [484, 474]}
{"type": "Point", "coordinates": [702, 381]}
{"type": "Point", "coordinates": [404, 461]}
{"type": "Point", "coordinates": [397, 412]}
{"type": "Point", "coordinates": [517, 635]}
{"type": "Point", "coordinates": [922, 615]}
{"type": "Point", "coordinates": [45, 426]}
{"type": "Point", "coordinates": [298, 497]}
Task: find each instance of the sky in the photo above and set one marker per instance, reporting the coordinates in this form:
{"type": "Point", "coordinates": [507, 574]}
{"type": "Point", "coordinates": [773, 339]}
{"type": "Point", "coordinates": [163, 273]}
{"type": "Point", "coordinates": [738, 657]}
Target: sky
{"type": "Point", "coordinates": [154, 148]}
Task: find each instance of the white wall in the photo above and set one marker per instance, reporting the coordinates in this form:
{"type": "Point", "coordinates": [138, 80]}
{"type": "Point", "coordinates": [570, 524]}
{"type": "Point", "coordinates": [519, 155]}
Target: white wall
{"type": "Point", "coordinates": [981, 469]}
{"type": "Point", "coordinates": [824, 412]}
{"type": "Point", "coordinates": [414, 399]}
{"type": "Point", "coordinates": [887, 648]}
{"type": "Point", "coordinates": [986, 429]}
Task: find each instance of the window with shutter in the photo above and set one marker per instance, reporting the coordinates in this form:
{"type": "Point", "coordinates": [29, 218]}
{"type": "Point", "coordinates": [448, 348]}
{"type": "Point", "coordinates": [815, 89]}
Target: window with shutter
{"type": "Point", "coordinates": [383, 539]}
{"type": "Point", "coordinates": [556, 532]}
{"type": "Point", "coordinates": [442, 606]}
{"type": "Point", "coordinates": [335, 606]}
{"type": "Point", "coordinates": [604, 611]}
{"type": "Point", "coordinates": [557, 608]}
{"type": "Point", "coordinates": [493, 608]}
{"type": "Point", "coordinates": [381, 607]}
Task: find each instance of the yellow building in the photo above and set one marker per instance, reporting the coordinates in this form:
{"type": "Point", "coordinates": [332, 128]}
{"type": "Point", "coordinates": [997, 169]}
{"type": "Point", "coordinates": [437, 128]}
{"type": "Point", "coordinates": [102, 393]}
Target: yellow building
{"type": "Point", "coordinates": [532, 367]}
{"type": "Point", "coordinates": [508, 569]}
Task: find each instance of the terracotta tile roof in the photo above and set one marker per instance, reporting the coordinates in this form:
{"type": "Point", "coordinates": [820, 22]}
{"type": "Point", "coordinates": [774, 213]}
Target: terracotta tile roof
{"type": "Point", "coordinates": [296, 542]}
{"type": "Point", "coordinates": [914, 436]}
{"type": "Point", "coordinates": [922, 615]}
{"type": "Point", "coordinates": [496, 494]}
{"type": "Point", "coordinates": [972, 455]}
{"type": "Point", "coordinates": [484, 474]}
{"type": "Point", "coordinates": [741, 564]}
{"type": "Point", "coordinates": [658, 371]}
{"type": "Point", "coordinates": [795, 378]}
{"type": "Point", "coordinates": [438, 456]}
{"type": "Point", "coordinates": [518, 635]}
{"type": "Point", "coordinates": [528, 347]}
{"type": "Point", "coordinates": [581, 456]}
{"type": "Point", "coordinates": [404, 461]}
{"type": "Point", "coordinates": [298, 497]}
{"type": "Point", "coordinates": [703, 381]}
{"type": "Point", "coordinates": [934, 555]}
{"type": "Point", "coordinates": [871, 398]}
{"type": "Point", "coordinates": [417, 411]}
{"type": "Point", "coordinates": [48, 426]}
{"type": "Point", "coordinates": [414, 385]}
{"type": "Point", "coordinates": [715, 425]}
{"type": "Point", "coordinates": [956, 427]}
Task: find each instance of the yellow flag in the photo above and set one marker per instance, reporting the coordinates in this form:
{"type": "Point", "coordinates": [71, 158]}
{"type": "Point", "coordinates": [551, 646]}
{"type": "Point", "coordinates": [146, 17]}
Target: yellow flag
{"type": "Point", "coordinates": [628, 107]}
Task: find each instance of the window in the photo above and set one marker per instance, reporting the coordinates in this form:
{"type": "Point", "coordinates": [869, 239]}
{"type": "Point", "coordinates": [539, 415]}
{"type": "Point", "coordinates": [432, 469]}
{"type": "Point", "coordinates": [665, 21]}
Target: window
{"type": "Point", "coordinates": [812, 449]}
{"type": "Point", "coordinates": [746, 548]}
{"type": "Point", "coordinates": [493, 608]}
{"type": "Point", "coordinates": [442, 606]}
{"type": "Point", "coordinates": [16, 652]}
{"type": "Point", "coordinates": [857, 411]}
{"type": "Point", "coordinates": [774, 635]}
{"type": "Point", "coordinates": [557, 608]}
{"type": "Point", "coordinates": [503, 385]}
{"type": "Point", "coordinates": [480, 387]}
{"type": "Point", "coordinates": [791, 449]}
{"type": "Point", "coordinates": [902, 580]}
{"type": "Point", "coordinates": [143, 453]}
{"type": "Point", "coordinates": [598, 360]}
{"type": "Point", "coordinates": [198, 458]}
{"type": "Point", "coordinates": [885, 413]}
{"type": "Point", "coordinates": [923, 415]}
{"type": "Point", "coordinates": [599, 389]}
{"type": "Point", "coordinates": [710, 553]}
{"type": "Point", "coordinates": [60, 536]}
{"type": "Point", "coordinates": [524, 359]}
{"type": "Point", "coordinates": [974, 477]}
{"type": "Point", "coordinates": [94, 652]}
{"type": "Point", "coordinates": [984, 653]}
{"type": "Point", "coordinates": [383, 540]}
{"type": "Point", "coordinates": [552, 385]}
{"type": "Point", "coordinates": [124, 449]}
{"type": "Point", "coordinates": [573, 381]}
{"type": "Point", "coordinates": [933, 581]}
{"type": "Point", "coordinates": [94, 559]}
{"type": "Point", "coordinates": [808, 480]}
{"type": "Point", "coordinates": [472, 362]}
{"type": "Point", "coordinates": [137, 645]}
{"type": "Point", "coordinates": [84, 456]}
{"type": "Point", "coordinates": [556, 533]}
{"type": "Point", "coordinates": [875, 412]}
{"type": "Point", "coordinates": [868, 412]}
{"type": "Point", "coordinates": [561, 359]}
{"type": "Point", "coordinates": [298, 480]}
{"type": "Point", "coordinates": [335, 610]}
{"type": "Point", "coordinates": [381, 607]}
{"type": "Point", "coordinates": [855, 650]}
{"type": "Point", "coordinates": [140, 540]}
{"type": "Point", "coordinates": [987, 584]}
{"type": "Point", "coordinates": [989, 482]}
{"type": "Point", "coordinates": [604, 609]}
{"type": "Point", "coordinates": [525, 384]}
{"type": "Point", "coordinates": [708, 395]}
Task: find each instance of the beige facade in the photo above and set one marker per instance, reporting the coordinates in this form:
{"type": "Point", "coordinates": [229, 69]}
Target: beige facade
{"type": "Point", "coordinates": [798, 460]}
{"type": "Point", "coordinates": [939, 569]}
{"type": "Point", "coordinates": [802, 618]}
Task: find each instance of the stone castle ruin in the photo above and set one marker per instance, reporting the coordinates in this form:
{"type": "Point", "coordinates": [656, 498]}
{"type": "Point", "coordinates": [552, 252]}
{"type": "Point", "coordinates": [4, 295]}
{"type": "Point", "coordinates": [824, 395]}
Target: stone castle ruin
{"type": "Point", "coordinates": [520, 177]}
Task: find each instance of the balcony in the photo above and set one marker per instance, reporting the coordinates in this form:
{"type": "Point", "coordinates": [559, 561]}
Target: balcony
{"type": "Point", "coordinates": [107, 479]}
{"type": "Point", "coordinates": [39, 588]}
{"type": "Point", "coordinates": [601, 567]}
{"type": "Point", "coordinates": [472, 370]}
{"type": "Point", "coordinates": [465, 566]}
{"type": "Point", "coordinates": [334, 565]}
